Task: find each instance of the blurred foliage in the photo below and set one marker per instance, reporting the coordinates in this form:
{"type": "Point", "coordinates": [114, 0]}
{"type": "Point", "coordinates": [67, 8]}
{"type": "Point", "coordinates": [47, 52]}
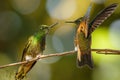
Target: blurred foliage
{"type": "Point", "coordinates": [19, 19]}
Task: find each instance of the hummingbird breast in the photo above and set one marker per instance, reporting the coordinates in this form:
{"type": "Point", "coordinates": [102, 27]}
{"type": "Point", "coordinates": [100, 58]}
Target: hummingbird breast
{"type": "Point", "coordinates": [83, 43]}
{"type": "Point", "coordinates": [32, 48]}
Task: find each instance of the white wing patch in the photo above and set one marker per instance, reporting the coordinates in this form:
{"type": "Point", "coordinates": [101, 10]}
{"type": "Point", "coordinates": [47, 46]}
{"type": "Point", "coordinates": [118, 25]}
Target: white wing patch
{"type": "Point", "coordinates": [28, 57]}
{"type": "Point", "coordinates": [76, 48]}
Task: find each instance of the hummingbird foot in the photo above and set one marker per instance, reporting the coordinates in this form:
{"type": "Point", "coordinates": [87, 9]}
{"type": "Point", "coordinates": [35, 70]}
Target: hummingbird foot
{"type": "Point", "coordinates": [38, 56]}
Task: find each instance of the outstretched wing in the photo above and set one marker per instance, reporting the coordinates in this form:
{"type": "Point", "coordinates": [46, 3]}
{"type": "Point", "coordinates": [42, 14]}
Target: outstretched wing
{"type": "Point", "coordinates": [101, 17]}
{"type": "Point", "coordinates": [87, 15]}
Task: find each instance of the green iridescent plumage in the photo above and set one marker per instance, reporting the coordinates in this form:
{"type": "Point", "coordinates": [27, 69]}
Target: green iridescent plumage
{"type": "Point", "coordinates": [34, 46]}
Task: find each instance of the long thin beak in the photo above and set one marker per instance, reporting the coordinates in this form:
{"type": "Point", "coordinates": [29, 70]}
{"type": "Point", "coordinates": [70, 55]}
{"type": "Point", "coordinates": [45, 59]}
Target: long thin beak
{"type": "Point", "coordinates": [69, 21]}
{"type": "Point", "coordinates": [51, 26]}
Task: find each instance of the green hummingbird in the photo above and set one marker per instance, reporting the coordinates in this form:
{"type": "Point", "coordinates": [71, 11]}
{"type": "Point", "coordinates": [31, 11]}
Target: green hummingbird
{"type": "Point", "coordinates": [84, 29]}
{"type": "Point", "coordinates": [34, 47]}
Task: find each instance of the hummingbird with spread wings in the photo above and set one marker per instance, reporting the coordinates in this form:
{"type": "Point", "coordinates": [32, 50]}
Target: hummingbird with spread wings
{"type": "Point", "coordinates": [84, 30]}
{"type": "Point", "coordinates": [34, 47]}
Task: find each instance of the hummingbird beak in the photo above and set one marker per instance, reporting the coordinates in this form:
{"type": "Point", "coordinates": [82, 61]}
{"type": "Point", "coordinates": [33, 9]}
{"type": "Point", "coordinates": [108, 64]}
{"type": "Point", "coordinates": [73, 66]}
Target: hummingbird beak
{"type": "Point", "coordinates": [51, 26]}
{"type": "Point", "coordinates": [69, 21]}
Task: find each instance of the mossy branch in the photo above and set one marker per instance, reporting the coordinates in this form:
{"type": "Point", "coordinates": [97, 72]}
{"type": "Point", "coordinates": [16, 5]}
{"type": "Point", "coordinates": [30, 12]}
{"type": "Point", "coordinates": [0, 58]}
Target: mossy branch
{"type": "Point", "coordinates": [98, 51]}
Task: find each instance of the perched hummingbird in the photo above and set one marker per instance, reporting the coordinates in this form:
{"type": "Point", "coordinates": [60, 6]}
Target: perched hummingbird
{"type": "Point", "coordinates": [83, 33]}
{"type": "Point", "coordinates": [34, 46]}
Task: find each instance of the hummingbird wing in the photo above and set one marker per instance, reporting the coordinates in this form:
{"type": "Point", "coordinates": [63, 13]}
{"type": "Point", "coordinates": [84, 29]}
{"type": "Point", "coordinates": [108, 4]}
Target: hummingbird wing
{"type": "Point", "coordinates": [26, 48]}
{"type": "Point", "coordinates": [101, 17]}
{"type": "Point", "coordinates": [87, 15]}
{"type": "Point", "coordinates": [24, 68]}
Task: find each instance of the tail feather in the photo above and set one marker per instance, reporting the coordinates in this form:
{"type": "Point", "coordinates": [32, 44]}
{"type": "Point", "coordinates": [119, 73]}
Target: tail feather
{"type": "Point", "coordinates": [20, 74]}
{"type": "Point", "coordinates": [85, 59]}
{"type": "Point", "coordinates": [23, 70]}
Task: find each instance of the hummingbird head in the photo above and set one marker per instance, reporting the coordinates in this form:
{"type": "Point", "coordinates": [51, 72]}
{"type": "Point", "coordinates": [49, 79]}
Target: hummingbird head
{"type": "Point", "coordinates": [47, 28]}
{"type": "Point", "coordinates": [77, 21]}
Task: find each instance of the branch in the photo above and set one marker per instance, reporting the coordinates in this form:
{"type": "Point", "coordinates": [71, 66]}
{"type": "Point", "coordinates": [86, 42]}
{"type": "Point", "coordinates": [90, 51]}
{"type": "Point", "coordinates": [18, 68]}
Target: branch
{"type": "Point", "coordinates": [99, 51]}
{"type": "Point", "coordinates": [37, 58]}
{"type": "Point", "coordinates": [107, 51]}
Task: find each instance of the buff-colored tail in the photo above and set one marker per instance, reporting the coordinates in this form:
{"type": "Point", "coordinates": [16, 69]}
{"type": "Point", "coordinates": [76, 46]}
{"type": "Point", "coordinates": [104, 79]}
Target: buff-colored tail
{"type": "Point", "coordinates": [85, 59]}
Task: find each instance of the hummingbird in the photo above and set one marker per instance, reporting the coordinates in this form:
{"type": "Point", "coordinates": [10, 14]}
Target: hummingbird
{"type": "Point", "coordinates": [84, 30]}
{"type": "Point", "coordinates": [34, 47]}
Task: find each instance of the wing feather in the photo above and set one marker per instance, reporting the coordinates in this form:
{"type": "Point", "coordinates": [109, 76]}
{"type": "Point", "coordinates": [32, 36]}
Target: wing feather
{"type": "Point", "coordinates": [101, 17]}
{"type": "Point", "coordinates": [26, 48]}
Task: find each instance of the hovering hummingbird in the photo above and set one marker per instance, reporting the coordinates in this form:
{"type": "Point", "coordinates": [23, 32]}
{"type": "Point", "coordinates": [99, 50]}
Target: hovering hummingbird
{"type": "Point", "coordinates": [84, 29]}
{"type": "Point", "coordinates": [34, 46]}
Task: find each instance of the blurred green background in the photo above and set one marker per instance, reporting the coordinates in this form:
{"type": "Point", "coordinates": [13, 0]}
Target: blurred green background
{"type": "Point", "coordinates": [19, 19]}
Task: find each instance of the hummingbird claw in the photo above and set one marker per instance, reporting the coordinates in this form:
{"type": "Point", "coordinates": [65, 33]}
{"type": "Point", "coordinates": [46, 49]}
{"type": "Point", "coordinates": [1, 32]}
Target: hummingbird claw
{"type": "Point", "coordinates": [38, 56]}
{"type": "Point", "coordinates": [53, 25]}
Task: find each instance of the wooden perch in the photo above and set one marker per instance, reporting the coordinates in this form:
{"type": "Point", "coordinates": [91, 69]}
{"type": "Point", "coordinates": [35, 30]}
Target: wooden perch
{"type": "Point", "coordinates": [98, 51]}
